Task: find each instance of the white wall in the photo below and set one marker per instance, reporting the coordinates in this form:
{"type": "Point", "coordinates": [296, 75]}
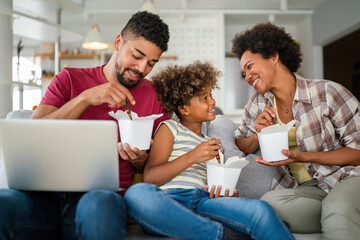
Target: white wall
{"type": "Point", "coordinates": [193, 36]}
{"type": "Point", "coordinates": [304, 36]}
{"type": "Point", "coordinates": [318, 62]}
{"type": "Point", "coordinates": [196, 37]}
{"type": "Point", "coordinates": [208, 37]}
{"type": "Point", "coordinates": [331, 21]}
{"type": "Point", "coordinates": [237, 91]}
{"type": "Point", "coordinates": [5, 58]}
{"type": "Point", "coordinates": [334, 19]}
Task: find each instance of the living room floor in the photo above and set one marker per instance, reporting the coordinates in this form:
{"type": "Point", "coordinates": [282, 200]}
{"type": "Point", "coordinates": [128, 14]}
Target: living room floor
{"type": "Point", "coordinates": [135, 232]}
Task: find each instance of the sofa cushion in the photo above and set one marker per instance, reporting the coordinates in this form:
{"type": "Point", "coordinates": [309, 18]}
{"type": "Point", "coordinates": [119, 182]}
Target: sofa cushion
{"type": "Point", "coordinates": [19, 114]}
{"type": "Point", "coordinates": [223, 129]}
{"type": "Point", "coordinates": [255, 179]}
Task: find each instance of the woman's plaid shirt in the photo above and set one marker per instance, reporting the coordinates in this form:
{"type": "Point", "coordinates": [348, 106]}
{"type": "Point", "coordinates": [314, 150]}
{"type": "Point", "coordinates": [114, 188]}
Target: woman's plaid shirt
{"type": "Point", "coordinates": [327, 118]}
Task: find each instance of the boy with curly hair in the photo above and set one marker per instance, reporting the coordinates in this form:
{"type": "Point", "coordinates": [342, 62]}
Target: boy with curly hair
{"type": "Point", "coordinates": [177, 203]}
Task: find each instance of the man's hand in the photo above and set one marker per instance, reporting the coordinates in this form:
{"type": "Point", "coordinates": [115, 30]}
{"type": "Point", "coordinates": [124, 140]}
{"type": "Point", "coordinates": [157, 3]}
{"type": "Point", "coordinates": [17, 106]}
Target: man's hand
{"type": "Point", "coordinates": [135, 156]}
{"type": "Point", "coordinates": [215, 191]}
{"type": "Point", "coordinates": [112, 93]}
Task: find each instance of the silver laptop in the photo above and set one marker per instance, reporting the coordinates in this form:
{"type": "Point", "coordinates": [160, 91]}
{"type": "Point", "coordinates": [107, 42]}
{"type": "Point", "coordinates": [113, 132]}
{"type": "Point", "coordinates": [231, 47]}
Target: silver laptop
{"type": "Point", "coordinates": [60, 155]}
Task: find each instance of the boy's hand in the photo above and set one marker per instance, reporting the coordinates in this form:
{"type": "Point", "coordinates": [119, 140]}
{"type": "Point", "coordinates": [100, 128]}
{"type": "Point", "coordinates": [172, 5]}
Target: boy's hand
{"type": "Point", "coordinates": [215, 191]}
{"type": "Point", "coordinates": [206, 151]}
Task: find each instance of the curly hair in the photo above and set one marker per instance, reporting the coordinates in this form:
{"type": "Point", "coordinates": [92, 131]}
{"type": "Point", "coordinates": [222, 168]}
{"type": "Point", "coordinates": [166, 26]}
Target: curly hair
{"type": "Point", "coordinates": [176, 85]}
{"type": "Point", "coordinates": [149, 26]}
{"type": "Point", "coordinates": [268, 39]}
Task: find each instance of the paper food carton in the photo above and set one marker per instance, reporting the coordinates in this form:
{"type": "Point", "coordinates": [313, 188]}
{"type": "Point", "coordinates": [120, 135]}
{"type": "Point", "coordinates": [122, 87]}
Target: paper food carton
{"type": "Point", "coordinates": [225, 174]}
{"type": "Point", "coordinates": [273, 139]}
{"type": "Point", "coordinates": [135, 132]}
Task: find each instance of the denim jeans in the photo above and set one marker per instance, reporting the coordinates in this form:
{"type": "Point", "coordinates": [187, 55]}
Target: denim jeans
{"type": "Point", "coordinates": [98, 214]}
{"type": "Point", "coordinates": [191, 214]}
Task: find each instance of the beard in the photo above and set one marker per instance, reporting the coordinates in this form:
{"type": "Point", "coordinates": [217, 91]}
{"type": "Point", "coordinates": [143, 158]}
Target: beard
{"type": "Point", "coordinates": [126, 82]}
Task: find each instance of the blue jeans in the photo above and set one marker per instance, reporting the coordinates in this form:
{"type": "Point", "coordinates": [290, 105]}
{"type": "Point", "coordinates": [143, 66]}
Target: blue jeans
{"type": "Point", "coordinates": [98, 214]}
{"type": "Point", "coordinates": [191, 214]}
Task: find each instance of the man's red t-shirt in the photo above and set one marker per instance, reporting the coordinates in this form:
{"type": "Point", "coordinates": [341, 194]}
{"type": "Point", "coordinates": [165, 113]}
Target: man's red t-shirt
{"type": "Point", "coordinates": [70, 82]}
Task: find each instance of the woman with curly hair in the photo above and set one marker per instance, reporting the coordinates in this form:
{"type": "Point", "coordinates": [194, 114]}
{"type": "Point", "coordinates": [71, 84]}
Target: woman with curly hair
{"type": "Point", "coordinates": [322, 171]}
{"type": "Point", "coordinates": [177, 202]}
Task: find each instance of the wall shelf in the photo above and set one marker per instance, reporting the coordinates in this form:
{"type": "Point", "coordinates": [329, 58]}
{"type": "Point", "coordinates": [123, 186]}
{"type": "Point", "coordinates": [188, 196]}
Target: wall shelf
{"type": "Point", "coordinates": [84, 56]}
{"type": "Point", "coordinates": [230, 54]}
{"type": "Point", "coordinates": [68, 55]}
{"type": "Point", "coordinates": [169, 57]}
{"type": "Point", "coordinates": [46, 78]}
{"type": "Point", "coordinates": [27, 86]}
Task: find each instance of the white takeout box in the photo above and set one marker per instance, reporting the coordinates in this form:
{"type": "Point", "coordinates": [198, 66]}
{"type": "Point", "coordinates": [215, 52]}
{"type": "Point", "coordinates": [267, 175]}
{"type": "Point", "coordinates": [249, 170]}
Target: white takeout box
{"type": "Point", "coordinates": [226, 175]}
{"type": "Point", "coordinates": [136, 132]}
{"type": "Point", "coordinates": [273, 139]}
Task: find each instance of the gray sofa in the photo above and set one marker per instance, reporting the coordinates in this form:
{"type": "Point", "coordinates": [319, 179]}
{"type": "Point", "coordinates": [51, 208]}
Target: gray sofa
{"type": "Point", "coordinates": [254, 181]}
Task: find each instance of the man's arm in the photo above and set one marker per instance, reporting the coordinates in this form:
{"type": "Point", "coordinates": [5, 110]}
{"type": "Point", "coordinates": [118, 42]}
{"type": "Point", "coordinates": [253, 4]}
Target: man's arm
{"type": "Point", "coordinates": [71, 110]}
{"type": "Point", "coordinates": [112, 93]}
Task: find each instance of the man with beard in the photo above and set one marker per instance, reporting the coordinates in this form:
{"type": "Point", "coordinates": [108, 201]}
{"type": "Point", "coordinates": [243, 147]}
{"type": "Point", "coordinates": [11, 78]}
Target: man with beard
{"type": "Point", "coordinates": [90, 93]}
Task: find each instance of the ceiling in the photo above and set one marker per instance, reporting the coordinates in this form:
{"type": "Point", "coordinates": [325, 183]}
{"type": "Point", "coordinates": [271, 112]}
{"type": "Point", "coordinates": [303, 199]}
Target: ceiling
{"type": "Point", "coordinates": [36, 20]}
{"type": "Point", "coordinates": [78, 6]}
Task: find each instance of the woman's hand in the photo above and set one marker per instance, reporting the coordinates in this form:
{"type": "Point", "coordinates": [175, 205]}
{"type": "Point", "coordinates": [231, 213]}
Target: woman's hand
{"type": "Point", "coordinates": [276, 163]}
{"type": "Point", "coordinates": [215, 191]}
{"type": "Point", "coordinates": [293, 156]}
{"type": "Point", "coordinates": [266, 118]}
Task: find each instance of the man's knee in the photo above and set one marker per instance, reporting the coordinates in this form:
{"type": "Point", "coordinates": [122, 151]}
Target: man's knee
{"type": "Point", "coordinates": [101, 214]}
{"type": "Point", "coordinates": [8, 205]}
{"type": "Point", "coordinates": [99, 200]}
{"type": "Point", "coordinates": [12, 201]}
